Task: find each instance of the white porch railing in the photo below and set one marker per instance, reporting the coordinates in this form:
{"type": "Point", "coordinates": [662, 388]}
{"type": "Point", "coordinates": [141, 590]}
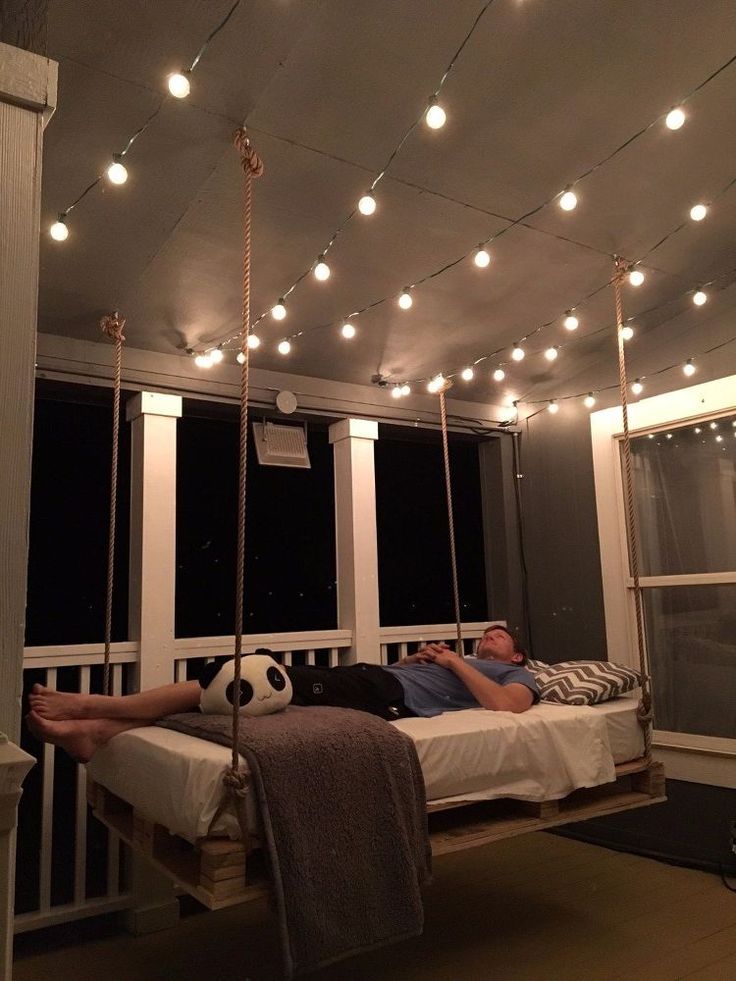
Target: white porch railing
{"type": "Point", "coordinates": [400, 641]}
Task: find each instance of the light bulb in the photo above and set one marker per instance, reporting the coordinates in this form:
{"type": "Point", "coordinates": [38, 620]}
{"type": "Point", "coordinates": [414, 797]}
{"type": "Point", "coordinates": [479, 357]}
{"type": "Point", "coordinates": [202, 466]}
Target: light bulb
{"type": "Point", "coordinates": [714, 425]}
{"type": "Point", "coordinates": [278, 312]}
{"type": "Point", "coordinates": [689, 368]}
{"type": "Point", "coordinates": [367, 204]}
{"type": "Point", "coordinates": [406, 389]}
{"type": "Point", "coordinates": [178, 85]}
{"type": "Point", "coordinates": [551, 353]}
{"type": "Point", "coordinates": [699, 298]}
{"type": "Point", "coordinates": [216, 355]}
{"type": "Point", "coordinates": [405, 300]}
{"type": "Point", "coordinates": [698, 212]}
{"type": "Point", "coordinates": [322, 270]}
{"type": "Point", "coordinates": [589, 401]}
{"type": "Point", "coordinates": [254, 341]}
{"type": "Point", "coordinates": [651, 435]}
{"type": "Point", "coordinates": [568, 201]}
{"type": "Point", "coordinates": [203, 361]}
{"type": "Point", "coordinates": [481, 257]}
{"type": "Point", "coordinates": [116, 172]}
{"type": "Point", "coordinates": [719, 439]}
{"type": "Point", "coordinates": [698, 430]}
{"type": "Point", "coordinates": [669, 436]}
{"type": "Point", "coordinates": [499, 374]}
{"type": "Point", "coordinates": [636, 277]}
{"type": "Point", "coordinates": [59, 231]}
{"type": "Point", "coordinates": [553, 407]}
{"type": "Point", "coordinates": [348, 331]}
{"type": "Point", "coordinates": [240, 357]}
{"type": "Point", "coordinates": [571, 322]}
{"type": "Point", "coordinates": [396, 392]}
{"type": "Point", "coordinates": [467, 374]}
{"type": "Point", "coordinates": [675, 118]}
{"type": "Point", "coordinates": [284, 347]}
{"type": "Point", "coordinates": [435, 116]}
{"type": "Point", "coordinates": [627, 332]}
{"type": "Point", "coordinates": [436, 384]}
{"type": "Point", "coordinates": [637, 388]}
{"type": "Point", "coordinates": [517, 353]}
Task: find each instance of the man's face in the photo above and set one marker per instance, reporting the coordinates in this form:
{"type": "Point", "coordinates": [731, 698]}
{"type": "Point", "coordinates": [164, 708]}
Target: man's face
{"type": "Point", "coordinates": [497, 645]}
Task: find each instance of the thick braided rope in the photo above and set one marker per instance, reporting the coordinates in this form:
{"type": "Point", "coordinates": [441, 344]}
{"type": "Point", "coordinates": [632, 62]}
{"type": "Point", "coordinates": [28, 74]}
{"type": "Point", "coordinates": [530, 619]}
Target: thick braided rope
{"type": "Point", "coordinates": [252, 167]}
{"type": "Point", "coordinates": [112, 325]}
{"type": "Point", "coordinates": [644, 711]}
{"type": "Point", "coordinates": [451, 521]}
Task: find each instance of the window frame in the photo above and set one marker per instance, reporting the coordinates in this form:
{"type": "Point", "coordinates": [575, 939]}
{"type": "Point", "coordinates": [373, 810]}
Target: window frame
{"type": "Point", "coordinates": [690, 757]}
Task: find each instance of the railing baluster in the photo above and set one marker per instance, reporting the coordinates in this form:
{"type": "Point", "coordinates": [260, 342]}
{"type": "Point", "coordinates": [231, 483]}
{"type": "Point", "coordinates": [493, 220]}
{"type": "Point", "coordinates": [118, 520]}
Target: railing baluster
{"type": "Point", "coordinates": [47, 813]}
{"type": "Point", "coordinates": [334, 656]}
{"type": "Point", "coordinates": [180, 670]}
{"type": "Point", "coordinates": [113, 842]}
{"type": "Point", "coordinates": [310, 657]}
{"type": "Point", "coordinates": [80, 829]}
{"type": "Point", "coordinates": [403, 650]}
{"type": "Point", "coordinates": [286, 659]}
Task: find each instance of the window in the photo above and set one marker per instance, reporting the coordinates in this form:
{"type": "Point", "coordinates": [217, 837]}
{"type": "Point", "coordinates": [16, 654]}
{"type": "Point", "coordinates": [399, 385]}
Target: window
{"type": "Point", "coordinates": [683, 447]}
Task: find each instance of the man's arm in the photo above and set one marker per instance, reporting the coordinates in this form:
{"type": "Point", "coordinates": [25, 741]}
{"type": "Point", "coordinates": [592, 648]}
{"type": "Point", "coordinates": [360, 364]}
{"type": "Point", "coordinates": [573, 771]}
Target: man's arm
{"type": "Point", "coordinates": [489, 694]}
{"type": "Point", "coordinates": [425, 655]}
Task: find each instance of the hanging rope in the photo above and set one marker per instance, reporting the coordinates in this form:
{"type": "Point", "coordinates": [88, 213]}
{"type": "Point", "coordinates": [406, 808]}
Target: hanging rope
{"type": "Point", "coordinates": [112, 325]}
{"type": "Point", "coordinates": [450, 517]}
{"type": "Point", "coordinates": [644, 711]}
{"type": "Point", "coordinates": [252, 165]}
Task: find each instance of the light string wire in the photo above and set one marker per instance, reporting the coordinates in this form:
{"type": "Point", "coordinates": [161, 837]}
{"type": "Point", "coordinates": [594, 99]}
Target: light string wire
{"type": "Point", "coordinates": [513, 223]}
{"type": "Point", "coordinates": [141, 129]}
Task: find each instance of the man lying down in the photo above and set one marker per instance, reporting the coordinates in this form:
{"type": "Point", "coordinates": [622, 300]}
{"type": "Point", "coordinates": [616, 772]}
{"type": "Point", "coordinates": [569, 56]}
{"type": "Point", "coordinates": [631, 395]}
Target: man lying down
{"type": "Point", "coordinates": [434, 680]}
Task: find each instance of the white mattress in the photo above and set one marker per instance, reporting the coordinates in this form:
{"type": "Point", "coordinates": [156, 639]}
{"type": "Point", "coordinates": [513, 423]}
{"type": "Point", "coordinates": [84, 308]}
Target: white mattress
{"type": "Point", "coordinates": [542, 754]}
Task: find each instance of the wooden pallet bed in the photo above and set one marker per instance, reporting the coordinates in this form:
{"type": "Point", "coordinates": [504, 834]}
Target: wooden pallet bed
{"type": "Point", "coordinates": [219, 872]}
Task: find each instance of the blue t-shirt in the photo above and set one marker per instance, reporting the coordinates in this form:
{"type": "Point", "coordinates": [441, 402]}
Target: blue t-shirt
{"type": "Point", "coordinates": [430, 689]}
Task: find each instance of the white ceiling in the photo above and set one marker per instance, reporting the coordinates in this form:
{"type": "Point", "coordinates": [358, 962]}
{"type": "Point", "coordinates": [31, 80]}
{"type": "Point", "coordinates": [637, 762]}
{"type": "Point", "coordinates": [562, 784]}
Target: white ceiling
{"type": "Point", "coordinates": [541, 92]}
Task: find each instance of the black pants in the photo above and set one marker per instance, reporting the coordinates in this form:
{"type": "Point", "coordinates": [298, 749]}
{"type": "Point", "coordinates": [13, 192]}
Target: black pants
{"type": "Point", "coordinates": [366, 687]}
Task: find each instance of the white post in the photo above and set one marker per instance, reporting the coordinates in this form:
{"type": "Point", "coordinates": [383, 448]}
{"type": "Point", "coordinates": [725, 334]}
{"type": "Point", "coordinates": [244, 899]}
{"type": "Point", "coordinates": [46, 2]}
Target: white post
{"type": "Point", "coordinates": [357, 545]}
{"type": "Point", "coordinates": [14, 765]}
{"type": "Point", "coordinates": [151, 603]}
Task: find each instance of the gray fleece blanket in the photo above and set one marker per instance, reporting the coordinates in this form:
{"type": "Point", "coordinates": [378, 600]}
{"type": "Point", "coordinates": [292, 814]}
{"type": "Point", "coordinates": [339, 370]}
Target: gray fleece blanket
{"type": "Point", "coordinates": [342, 801]}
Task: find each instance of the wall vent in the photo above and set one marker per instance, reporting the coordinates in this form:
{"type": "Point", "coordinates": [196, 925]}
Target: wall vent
{"type": "Point", "coordinates": [281, 446]}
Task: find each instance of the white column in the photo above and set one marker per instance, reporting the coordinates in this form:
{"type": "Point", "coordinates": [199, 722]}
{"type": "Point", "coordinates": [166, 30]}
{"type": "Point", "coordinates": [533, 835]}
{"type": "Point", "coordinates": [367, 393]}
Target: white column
{"type": "Point", "coordinates": [151, 601]}
{"type": "Point", "coordinates": [27, 98]}
{"type": "Point", "coordinates": [153, 534]}
{"type": "Point", "coordinates": [14, 765]}
{"type": "Point", "coordinates": [357, 545]}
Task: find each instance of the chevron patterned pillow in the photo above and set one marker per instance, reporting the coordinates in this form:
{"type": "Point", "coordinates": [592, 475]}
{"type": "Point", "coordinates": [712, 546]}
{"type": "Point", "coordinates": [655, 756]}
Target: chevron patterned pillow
{"type": "Point", "coordinates": [584, 682]}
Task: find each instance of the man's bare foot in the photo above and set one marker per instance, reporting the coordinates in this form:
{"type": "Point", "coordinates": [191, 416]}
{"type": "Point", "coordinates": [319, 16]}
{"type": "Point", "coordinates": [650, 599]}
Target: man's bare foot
{"type": "Point", "coordinates": [57, 705]}
{"type": "Point", "coordinates": [80, 738]}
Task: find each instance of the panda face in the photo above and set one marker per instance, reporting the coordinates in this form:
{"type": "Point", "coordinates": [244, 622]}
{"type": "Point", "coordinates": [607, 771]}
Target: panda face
{"type": "Point", "coordinates": [264, 687]}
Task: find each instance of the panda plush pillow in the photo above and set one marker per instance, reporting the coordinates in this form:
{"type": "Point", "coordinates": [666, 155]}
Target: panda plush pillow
{"type": "Point", "coordinates": [264, 686]}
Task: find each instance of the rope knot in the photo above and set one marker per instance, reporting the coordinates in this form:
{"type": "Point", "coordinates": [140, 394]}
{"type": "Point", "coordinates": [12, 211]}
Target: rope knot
{"type": "Point", "coordinates": [112, 324]}
{"type": "Point", "coordinates": [249, 159]}
{"type": "Point", "coordinates": [236, 781]}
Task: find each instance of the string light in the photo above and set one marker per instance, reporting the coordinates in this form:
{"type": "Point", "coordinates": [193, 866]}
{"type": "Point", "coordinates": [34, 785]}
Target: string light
{"type": "Point", "coordinates": [253, 341]}
{"type": "Point", "coordinates": [278, 311]}
{"type": "Point", "coordinates": [636, 277]}
{"type": "Point", "coordinates": [284, 347]}
{"type": "Point", "coordinates": [321, 269]}
{"type": "Point", "coordinates": [203, 361]}
{"type": "Point", "coordinates": [698, 212]}
{"type": "Point", "coordinates": [116, 172]}
{"type": "Point", "coordinates": [689, 368]}
{"type": "Point", "coordinates": [435, 117]}
{"type": "Point", "coordinates": [568, 200]}
{"type": "Point", "coordinates": [553, 407]}
{"type": "Point", "coordinates": [178, 85]}
{"type": "Point", "coordinates": [675, 118]}
{"type": "Point", "coordinates": [627, 332]}
{"type": "Point", "coordinates": [216, 355]}
{"type": "Point", "coordinates": [571, 321]}
{"type": "Point", "coordinates": [499, 374]}
{"type": "Point", "coordinates": [698, 430]}
{"type": "Point", "coordinates": [348, 331]}
{"type": "Point", "coordinates": [669, 435]}
{"type": "Point", "coordinates": [406, 389]}
{"type": "Point", "coordinates": [396, 392]}
{"type": "Point", "coordinates": [551, 353]}
{"type": "Point", "coordinates": [589, 400]}
{"type": "Point", "coordinates": [637, 388]}
{"type": "Point", "coordinates": [436, 383]}
{"type": "Point", "coordinates": [59, 231]}
{"type": "Point", "coordinates": [406, 299]}
{"type": "Point", "coordinates": [518, 353]}
{"type": "Point", "coordinates": [481, 257]}
{"type": "Point", "coordinates": [714, 425]}
{"type": "Point", "coordinates": [240, 357]}
{"type": "Point", "coordinates": [367, 204]}
{"type": "Point", "coordinates": [719, 439]}
{"type": "Point", "coordinates": [467, 374]}
{"type": "Point", "coordinates": [699, 298]}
